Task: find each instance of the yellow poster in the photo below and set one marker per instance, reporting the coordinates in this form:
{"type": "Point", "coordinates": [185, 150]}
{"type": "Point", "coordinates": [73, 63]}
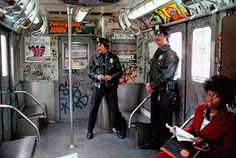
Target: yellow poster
{"type": "Point", "coordinates": [170, 12]}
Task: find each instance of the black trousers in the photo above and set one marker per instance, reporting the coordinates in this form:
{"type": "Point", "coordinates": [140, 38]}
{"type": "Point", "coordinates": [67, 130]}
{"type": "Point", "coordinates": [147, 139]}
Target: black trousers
{"type": "Point", "coordinates": [110, 94]}
{"type": "Point", "coordinates": [161, 113]}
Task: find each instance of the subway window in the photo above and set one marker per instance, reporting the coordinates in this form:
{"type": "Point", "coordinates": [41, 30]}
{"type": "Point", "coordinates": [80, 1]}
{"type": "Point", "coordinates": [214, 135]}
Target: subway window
{"type": "Point", "coordinates": [201, 48]}
{"type": "Point", "coordinates": [175, 41]}
{"type": "Point", "coordinates": [4, 55]}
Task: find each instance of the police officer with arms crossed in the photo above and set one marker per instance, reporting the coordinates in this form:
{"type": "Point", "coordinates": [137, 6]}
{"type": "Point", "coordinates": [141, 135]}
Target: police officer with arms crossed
{"type": "Point", "coordinates": [162, 70]}
{"type": "Point", "coordinates": [105, 71]}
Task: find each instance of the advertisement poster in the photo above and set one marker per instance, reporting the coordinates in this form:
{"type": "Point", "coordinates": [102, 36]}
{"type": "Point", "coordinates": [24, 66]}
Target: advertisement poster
{"type": "Point", "coordinates": [79, 55]}
{"type": "Point", "coordinates": [37, 49]}
{"type": "Point", "coordinates": [61, 27]}
{"type": "Point", "coordinates": [171, 12]}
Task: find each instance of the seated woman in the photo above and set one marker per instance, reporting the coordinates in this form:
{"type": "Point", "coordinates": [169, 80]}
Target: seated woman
{"type": "Point", "coordinates": [213, 126]}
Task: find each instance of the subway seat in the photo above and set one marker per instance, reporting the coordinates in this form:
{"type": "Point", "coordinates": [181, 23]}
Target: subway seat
{"type": "Point", "coordinates": [129, 98]}
{"type": "Point", "coordinates": [19, 148]}
{"type": "Point", "coordinates": [31, 107]}
{"type": "Point", "coordinates": [15, 146]}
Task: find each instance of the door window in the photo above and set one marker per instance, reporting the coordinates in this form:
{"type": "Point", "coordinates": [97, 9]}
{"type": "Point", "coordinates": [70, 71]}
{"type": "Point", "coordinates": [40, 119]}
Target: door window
{"type": "Point", "coordinates": [175, 41]}
{"type": "Point", "coordinates": [4, 55]}
{"type": "Point", "coordinates": [201, 49]}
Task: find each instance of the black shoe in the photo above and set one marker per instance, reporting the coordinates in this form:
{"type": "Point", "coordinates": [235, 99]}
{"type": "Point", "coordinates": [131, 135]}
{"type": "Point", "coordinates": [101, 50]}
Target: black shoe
{"type": "Point", "coordinates": [89, 134]}
{"type": "Point", "coordinates": [120, 134]}
{"type": "Point", "coordinates": [149, 146]}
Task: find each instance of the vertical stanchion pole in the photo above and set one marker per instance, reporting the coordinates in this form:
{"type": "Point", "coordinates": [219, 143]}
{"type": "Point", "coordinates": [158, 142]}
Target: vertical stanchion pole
{"type": "Point", "coordinates": [69, 13]}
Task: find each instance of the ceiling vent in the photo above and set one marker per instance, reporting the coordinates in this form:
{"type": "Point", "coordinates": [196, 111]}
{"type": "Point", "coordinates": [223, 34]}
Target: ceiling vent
{"type": "Point", "coordinates": [95, 13]}
{"type": "Point", "coordinates": [109, 1]}
{"type": "Point", "coordinates": [107, 14]}
{"type": "Point", "coordinates": [90, 2]}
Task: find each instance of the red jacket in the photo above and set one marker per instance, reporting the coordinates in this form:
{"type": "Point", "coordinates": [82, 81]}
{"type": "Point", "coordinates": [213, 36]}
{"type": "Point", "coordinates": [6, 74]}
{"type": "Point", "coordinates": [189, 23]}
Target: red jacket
{"type": "Point", "coordinates": [220, 133]}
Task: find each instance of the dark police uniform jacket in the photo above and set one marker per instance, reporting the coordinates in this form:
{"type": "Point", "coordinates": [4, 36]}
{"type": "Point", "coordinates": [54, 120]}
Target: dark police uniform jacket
{"type": "Point", "coordinates": [162, 68]}
{"type": "Point", "coordinates": [111, 66]}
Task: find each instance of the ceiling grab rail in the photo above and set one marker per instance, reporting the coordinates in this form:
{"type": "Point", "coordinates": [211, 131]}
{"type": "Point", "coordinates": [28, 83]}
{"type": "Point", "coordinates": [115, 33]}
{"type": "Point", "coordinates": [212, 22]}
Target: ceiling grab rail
{"type": "Point", "coordinates": [31, 9]}
{"type": "Point", "coordinates": [12, 14]}
{"type": "Point", "coordinates": [41, 30]}
{"type": "Point", "coordinates": [12, 8]}
{"type": "Point", "coordinates": [28, 7]}
{"type": "Point", "coordinates": [205, 9]}
{"type": "Point", "coordinates": [122, 25]}
{"type": "Point", "coordinates": [129, 25]}
{"type": "Point", "coordinates": [16, 10]}
{"type": "Point", "coordinates": [25, 4]}
{"type": "Point", "coordinates": [26, 118]}
{"type": "Point", "coordinates": [32, 16]}
{"type": "Point", "coordinates": [128, 28]}
{"type": "Point", "coordinates": [21, 22]}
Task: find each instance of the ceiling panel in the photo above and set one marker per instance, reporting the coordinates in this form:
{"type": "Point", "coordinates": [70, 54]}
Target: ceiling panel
{"type": "Point", "coordinates": [56, 9]}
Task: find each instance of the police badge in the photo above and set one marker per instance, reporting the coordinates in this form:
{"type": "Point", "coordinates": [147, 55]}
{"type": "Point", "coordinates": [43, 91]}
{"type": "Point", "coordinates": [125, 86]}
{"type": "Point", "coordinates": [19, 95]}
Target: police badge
{"type": "Point", "coordinates": [111, 60]}
{"type": "Point", "coordinates": [160, 57]}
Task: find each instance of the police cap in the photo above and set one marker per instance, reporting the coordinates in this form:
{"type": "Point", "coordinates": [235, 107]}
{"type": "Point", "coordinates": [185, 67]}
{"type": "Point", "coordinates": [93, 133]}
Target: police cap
{"type": "Point", "coordinates": [160, 29]}
{"type": "Point", "coordinates": [103, 41]}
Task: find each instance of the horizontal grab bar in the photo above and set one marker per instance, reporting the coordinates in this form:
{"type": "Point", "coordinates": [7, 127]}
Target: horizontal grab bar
{"type": "Point", "coordinates": [26, 118]}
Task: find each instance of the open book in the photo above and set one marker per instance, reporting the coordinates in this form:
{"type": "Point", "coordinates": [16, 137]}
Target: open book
{"type": "Point", "coordinates": [180, 134]}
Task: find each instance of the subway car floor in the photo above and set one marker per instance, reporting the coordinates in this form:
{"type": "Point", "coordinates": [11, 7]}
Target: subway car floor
{"type": "Point", "coordinates": [55, 141]}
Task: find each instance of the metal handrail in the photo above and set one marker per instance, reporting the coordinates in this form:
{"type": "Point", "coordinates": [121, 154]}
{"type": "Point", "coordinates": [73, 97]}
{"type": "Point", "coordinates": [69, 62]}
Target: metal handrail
{"type": "Point", "coordinates": [41, 30]}
{"type": "Point", "coordinates": [26, 118]}
{"type": "Point", "coordinates": [187, 121]}
{"type": "Point", "coordinates": [129, 25]}
{"type": "Point", "coordinates": [130, 117]}
{"type": "Point", "coordinates": [32, 97]}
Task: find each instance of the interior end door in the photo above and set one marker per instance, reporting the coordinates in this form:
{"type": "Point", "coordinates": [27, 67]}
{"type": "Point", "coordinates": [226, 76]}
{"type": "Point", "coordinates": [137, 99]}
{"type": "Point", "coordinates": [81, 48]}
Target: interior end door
{"type": "Point", "coordinates": [194, 90]}
{"type": "Point", "coordinates": [228, 55]}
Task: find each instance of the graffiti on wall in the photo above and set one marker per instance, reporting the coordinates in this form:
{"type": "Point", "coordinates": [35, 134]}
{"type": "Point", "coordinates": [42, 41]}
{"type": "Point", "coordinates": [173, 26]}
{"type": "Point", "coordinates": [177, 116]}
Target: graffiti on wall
{"type": "Point", "coordinates": [125, 48]}
{"type": "Point", "coordinates": [39, 71]}
{"type": "Point", "coordinates": [129, 73]}
{"type": "Point", "coordinates": [79, 100]}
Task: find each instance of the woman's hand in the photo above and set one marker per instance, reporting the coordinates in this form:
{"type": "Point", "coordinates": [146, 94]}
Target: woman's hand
{"type": "Point", "coordinates": [200, 144]}
{"type": "Point", "coordinates": [198, 141]}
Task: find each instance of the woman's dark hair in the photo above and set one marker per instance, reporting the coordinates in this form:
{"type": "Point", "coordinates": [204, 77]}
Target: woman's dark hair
{"type": "Point", "coordinates": [222, 85]}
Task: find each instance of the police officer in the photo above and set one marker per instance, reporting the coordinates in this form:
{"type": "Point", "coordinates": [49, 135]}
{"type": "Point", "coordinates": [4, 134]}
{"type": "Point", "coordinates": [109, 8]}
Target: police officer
{"type": "Point", "coordinates": [162, 70]}
{"type": "Point", "coordinates": [105, 71]}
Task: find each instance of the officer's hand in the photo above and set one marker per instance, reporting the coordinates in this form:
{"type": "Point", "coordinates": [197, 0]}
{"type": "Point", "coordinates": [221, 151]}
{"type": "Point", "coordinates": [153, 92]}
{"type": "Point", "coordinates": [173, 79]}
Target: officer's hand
{"type": "Point", "coordinates": [100, 77]}
{"type": "Point", "coordinates": [149, 88]}
{"type": "Point", "coordinates": [107, 78]}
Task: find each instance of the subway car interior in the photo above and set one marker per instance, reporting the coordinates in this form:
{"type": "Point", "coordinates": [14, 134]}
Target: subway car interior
{"type": "Point", "coordinates": [45, 50]}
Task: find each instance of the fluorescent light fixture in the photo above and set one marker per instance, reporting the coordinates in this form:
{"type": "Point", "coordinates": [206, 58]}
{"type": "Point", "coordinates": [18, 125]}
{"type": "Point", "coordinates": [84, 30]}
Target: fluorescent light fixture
{"type": "Point", "coordinates": [147, 8]}
{"type": "Point", "coordinates": [80, 15]}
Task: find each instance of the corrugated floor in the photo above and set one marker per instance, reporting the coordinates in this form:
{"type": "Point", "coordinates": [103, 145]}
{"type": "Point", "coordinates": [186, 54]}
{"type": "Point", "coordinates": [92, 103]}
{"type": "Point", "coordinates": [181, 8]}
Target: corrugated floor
{"type": "Point", "coordinates": [55, 141]}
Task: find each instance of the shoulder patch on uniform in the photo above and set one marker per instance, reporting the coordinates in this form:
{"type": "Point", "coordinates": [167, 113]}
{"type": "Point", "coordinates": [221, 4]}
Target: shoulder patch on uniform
{"type": "Point", "coordinates": [171, 56]}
